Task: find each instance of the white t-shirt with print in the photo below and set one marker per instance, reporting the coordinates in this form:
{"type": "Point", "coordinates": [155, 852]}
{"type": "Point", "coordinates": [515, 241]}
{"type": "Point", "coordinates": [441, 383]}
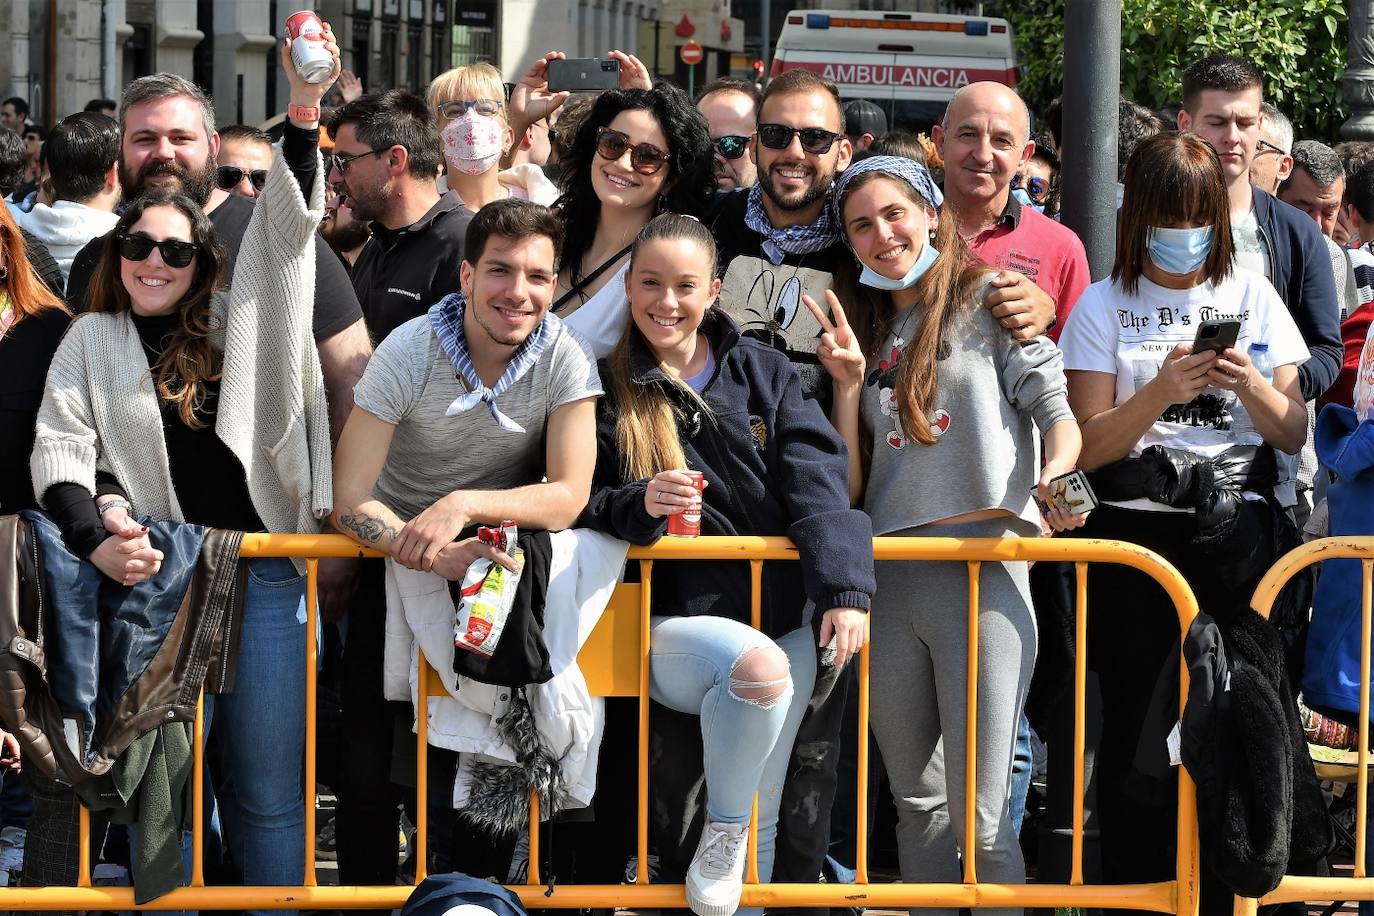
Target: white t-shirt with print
{"type": "Point", "coordinates": [1251, 251]}
{"type": "Point", "coordinates": [1130, 337]}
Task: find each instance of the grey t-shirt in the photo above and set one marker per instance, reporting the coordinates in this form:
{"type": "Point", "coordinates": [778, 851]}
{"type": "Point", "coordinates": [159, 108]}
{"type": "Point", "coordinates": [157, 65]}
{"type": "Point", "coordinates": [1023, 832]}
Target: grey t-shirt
{"type": "Point", "coordinates": [410, 384]}
{"type": "Point", "coordinates": [990, 389]}
{"type": "Point", "coordinates": [1249, 246]}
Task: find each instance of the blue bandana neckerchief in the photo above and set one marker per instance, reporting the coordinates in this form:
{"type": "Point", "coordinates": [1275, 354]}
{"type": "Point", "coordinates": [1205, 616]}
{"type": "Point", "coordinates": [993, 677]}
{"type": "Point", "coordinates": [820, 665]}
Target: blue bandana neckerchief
{"type": "Point", "coordinates": [778, 243]}
{"type": "Point", "coordinates": [446, 318]}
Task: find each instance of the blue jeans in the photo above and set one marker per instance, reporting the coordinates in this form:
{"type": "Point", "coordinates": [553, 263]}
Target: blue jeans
{"type": "Point", "coordinates": [747, 745]}
{"type": "Point", "coordinates": [261, 724]}
{"type": "Point", "coordinates": [1022, 765]}
{"type": "Point", "coordinates": [262, 727]}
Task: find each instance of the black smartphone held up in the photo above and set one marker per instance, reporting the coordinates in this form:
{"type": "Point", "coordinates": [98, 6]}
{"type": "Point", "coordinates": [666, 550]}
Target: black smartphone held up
{"type": "Point", "coordinates": [583, 74]}
{"type": "Point", "coordinates": [1216, 336]}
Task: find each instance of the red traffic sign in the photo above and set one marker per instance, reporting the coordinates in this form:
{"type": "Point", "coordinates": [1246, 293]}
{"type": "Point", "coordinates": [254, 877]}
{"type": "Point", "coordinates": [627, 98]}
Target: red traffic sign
{"type": "Point", "coordinates": [691, 53]}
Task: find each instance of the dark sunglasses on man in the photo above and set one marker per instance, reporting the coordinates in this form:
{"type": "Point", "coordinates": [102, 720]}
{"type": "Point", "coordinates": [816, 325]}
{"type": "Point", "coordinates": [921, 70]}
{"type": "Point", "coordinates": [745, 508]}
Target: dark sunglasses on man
{"type": "Point", "coordinates": [135, 246]}
{"type": "Point", "coordinates": [814, 140]}
{"type": "Point", "coordinates": [229, 176]}
{"type": "Point", "coordinates": [645, 158]}
{"type": "Point", "coordinates": [731, 146]}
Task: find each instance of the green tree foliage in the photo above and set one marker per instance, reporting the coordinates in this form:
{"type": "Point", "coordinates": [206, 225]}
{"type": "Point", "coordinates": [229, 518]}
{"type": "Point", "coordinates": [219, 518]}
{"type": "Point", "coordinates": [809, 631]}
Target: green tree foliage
{"type": "Point", "coordinates": [1299, 46]}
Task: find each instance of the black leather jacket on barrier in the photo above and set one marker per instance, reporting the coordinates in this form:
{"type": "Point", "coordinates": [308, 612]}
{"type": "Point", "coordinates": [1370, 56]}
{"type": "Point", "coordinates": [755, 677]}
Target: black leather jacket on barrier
{"type": "Point", "coordinates": [86, 665]}
{"type": "Point", "coordinates": [1241, 536]}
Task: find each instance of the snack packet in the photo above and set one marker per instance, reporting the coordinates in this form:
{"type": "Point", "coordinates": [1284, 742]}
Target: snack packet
{"type": "Point", "coordinates": [487, 593]}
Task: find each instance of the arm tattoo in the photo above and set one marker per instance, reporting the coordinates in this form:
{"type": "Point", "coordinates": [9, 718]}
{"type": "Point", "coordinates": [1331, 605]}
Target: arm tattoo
{"type": "Point", "coordinates": [366, 528]}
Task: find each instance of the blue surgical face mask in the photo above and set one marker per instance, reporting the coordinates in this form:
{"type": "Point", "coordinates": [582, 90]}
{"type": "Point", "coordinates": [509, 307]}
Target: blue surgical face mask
{"type": "Point", "coordinates": [1179, 251]}
{"type": "Point", "coordinates": [870, 277]}
{"type": "Point", "coordinates": [1022, 195]}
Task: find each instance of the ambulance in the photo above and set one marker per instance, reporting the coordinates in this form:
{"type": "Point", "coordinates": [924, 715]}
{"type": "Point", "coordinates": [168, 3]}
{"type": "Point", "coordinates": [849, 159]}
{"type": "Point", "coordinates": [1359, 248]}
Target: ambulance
{"type": "Point", "coordinates": [910, 64]}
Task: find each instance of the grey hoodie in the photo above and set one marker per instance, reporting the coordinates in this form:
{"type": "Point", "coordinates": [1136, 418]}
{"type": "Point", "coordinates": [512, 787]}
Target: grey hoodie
{"type": "Point", "coordinates": [66, 227]}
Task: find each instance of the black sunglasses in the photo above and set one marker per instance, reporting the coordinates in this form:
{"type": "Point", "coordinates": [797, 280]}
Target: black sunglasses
{"type": "Point", "coordinates": [731, 146]}
{"type": "Point", "coordinates": [1269, 147]}
{"type": "Point", "coordinates": [814, 140]}
{"type": "Point", "coordinates": [228, 177]}
{"type": "Point", "coordinates": [645, 158]}
{"type": "Point", "coordinates": [175, 253]}
{"type": "Point", "coordinates": [343, 162]}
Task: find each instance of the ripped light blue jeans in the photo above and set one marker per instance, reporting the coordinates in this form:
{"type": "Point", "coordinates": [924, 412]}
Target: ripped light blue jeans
{"type": "Point", "coordinates": [747, 738]}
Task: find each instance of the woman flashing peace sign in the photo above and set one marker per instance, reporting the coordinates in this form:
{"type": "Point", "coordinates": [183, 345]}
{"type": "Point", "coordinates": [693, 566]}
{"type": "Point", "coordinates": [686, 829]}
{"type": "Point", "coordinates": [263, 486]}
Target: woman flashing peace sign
{"type": "Point", "coordinates": [939, 407]}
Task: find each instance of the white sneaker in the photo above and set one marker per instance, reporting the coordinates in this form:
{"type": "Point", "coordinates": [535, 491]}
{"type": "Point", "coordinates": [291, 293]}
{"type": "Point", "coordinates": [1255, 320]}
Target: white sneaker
{"type": "Point", "coordinates": [716, 874]}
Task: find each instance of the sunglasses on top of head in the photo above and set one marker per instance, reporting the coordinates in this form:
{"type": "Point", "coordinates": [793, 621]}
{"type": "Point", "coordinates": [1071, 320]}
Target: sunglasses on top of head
{"type": "Point", "coordinates": [175, 253]}
{"type": "Point", "coordinates": [814, 140]}
{"type": "Point", "coordinates": [731, 146]}
{"type": "Point", "coordinates": [229, 176]}
{"type": "Point", "coordinates": [645, 158]}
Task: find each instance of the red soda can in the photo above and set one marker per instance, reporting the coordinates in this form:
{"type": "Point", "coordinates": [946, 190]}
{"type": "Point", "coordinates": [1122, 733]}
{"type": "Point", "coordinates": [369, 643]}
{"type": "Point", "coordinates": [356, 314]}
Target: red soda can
{"type": "Point", "coordinates": [687, 523]}
{"type": "Point", "coordinates": [313, 61]}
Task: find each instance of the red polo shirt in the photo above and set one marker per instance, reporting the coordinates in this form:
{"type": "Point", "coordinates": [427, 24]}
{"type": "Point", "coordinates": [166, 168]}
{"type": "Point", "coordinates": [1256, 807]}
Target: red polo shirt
{"type": "Point", "coordinates": [1030, 243]}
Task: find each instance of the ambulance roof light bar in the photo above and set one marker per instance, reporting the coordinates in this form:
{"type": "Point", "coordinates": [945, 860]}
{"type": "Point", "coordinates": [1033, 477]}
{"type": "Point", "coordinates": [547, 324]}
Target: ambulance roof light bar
{"type": "Point", "coordinates": [898, 21]}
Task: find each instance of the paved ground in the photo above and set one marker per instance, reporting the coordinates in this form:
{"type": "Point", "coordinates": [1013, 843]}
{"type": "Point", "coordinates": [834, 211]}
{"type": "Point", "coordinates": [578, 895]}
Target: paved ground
{"type": "Point", "coordinates": [326, 871]}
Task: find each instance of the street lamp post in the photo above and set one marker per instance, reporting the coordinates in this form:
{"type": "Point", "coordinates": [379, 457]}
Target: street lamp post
{"type": "Point", "coordinates": [1357, 83]}
{"type": "Point", "coordinates": [1092, 80]}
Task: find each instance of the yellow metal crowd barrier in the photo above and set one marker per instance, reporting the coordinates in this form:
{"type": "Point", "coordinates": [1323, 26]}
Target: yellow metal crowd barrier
{"type": "Point", "coordinates": [615, 660]}
{"type": "Point", "coordinates": [1360, 886]}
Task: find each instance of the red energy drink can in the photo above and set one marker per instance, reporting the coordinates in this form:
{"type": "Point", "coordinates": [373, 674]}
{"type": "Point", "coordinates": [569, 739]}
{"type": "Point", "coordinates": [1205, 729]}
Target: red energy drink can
{"type": "Point", "coordinates": [313, 61]}
{"type": "Point", "coordinates": [687, 523]}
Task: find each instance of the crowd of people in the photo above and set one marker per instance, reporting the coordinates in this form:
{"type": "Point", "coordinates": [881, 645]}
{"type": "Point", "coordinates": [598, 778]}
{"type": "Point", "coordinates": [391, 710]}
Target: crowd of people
{"type": "Point", "coordinates": [592, 312]}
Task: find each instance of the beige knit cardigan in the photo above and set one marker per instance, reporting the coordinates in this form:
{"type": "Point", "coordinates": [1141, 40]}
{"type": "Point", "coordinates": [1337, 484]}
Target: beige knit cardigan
{"type": "Point", "coordinates": [100, 409]}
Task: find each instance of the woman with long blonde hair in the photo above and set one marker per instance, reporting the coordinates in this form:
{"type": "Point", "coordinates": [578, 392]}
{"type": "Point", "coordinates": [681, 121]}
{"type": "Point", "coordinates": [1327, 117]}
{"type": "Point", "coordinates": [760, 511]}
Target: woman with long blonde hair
{"type": "Point", "coordinates": [686, 392]}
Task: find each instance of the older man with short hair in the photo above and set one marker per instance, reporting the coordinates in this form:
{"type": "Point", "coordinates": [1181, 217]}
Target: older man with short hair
{"type": "Point", "coordinates": [1273, 161]}
{"type": "Point", "coordinates": [984, 141]}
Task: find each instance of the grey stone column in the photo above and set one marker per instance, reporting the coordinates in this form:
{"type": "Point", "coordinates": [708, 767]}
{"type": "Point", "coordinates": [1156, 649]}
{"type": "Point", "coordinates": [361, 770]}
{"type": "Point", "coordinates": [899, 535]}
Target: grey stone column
{"type": "Point", "coordinates": [1357, 83]}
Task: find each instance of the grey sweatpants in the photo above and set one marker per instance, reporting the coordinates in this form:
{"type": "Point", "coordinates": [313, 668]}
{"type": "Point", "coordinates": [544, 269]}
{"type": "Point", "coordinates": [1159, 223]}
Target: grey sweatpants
{"type": "Point", "coordinates": [919, 693]}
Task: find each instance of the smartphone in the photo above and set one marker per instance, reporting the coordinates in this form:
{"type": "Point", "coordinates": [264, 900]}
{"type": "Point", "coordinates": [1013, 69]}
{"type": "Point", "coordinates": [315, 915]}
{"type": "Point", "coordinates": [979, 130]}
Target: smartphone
{"type": "Point", "coordinates": [1216, 336]}
{"type": "Point", "coordinates": [583, 74]}
{"type": "Point", "coordinates": [1070, 492]}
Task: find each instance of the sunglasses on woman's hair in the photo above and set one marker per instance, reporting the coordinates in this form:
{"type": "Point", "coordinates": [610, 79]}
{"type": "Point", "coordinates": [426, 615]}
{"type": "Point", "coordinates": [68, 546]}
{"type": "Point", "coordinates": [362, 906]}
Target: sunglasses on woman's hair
{"type": "Point", "coordinates": [229, 176]}
{"type": "Point", "coordinates": [814, 140]}
{"type": "Point", "coordinates": [175, 253]}
{"type": "Point", "coordinates": [645, 158]}
{"type": "Point", "coordinates": [732, 146]}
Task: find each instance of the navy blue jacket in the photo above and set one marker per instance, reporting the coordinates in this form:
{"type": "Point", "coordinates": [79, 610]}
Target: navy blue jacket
{"type": "Point", "coordinates": [774, 466]}
{"type": "Point", "coordinates": [439, 894]}
{"type": "Point", "coordinates": [1300, 269]}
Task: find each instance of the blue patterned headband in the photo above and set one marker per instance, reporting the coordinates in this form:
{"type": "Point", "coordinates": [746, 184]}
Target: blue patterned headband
{"type": "Point", "coordinates": [908, 170]}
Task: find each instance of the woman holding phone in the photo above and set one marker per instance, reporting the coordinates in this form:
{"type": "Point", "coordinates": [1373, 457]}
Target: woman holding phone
{"type": "Point", "coordinates": [641, 151]}
{"type": "Point", "coordinates": [1180, 421]}
{"type": "Point", "coordinates": [940, 408]}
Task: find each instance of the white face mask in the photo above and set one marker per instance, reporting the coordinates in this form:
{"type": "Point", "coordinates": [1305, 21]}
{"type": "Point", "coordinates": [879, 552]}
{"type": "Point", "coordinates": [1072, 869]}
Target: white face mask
{"type": "Point", "coordinates": [870, 277]}
{"type": "Point", "coordinates": [472, 142]}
